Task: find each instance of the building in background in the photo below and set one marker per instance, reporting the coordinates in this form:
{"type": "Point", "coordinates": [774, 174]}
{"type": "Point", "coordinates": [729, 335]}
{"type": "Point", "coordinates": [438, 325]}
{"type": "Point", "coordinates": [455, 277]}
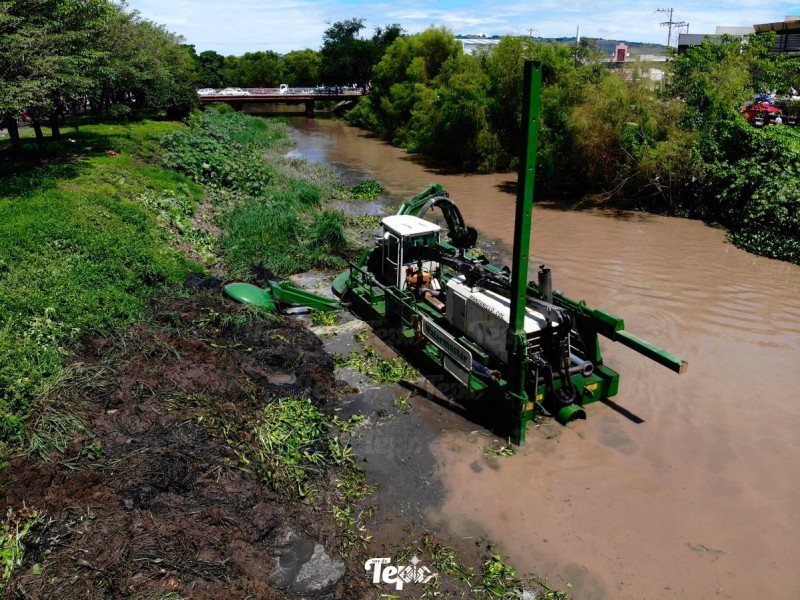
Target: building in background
{"type": "Point", "coordinates": [788, 39]}
{"type": "Point", "coordinates": [786, 42]}
{"type": "Point", "coordinates": [471, 44]}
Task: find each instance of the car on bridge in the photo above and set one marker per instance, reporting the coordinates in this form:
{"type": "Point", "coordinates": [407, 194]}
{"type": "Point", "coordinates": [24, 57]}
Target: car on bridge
{"type": "Point", "coordinates": [234, 92]}
{"type": "Point", "coordinates": [206, 92]}
{"type": "Point", "coordinates": [327, 89]}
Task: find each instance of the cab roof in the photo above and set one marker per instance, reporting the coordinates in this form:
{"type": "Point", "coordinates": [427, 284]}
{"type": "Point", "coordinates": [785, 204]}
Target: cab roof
{"type": "Point", "coordinates": [407, 225]}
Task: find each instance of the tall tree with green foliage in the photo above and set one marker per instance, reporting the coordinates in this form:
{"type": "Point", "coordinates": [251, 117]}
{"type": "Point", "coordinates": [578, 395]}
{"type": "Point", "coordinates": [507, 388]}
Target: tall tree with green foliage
{"type": "Point", "coordinates": [54, 51]}
{"type": "Point", "coordinates": [301, 68]}
{"type": "Point", "coordinates": [346, 57]}
{"type": "Point", "coordinates": [402, 83]}
{"type": "Point", "coordinates": [47, 54]}
{"type": "Point", "coordinates": [210, 69]}
{"type": "Point", "coordinates": [254, 69]}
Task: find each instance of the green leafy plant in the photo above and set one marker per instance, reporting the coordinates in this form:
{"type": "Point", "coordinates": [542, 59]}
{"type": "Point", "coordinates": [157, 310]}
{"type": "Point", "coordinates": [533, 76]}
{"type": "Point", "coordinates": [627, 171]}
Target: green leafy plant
{"type": "Point", "coordinates": [324, 319]}
{"type": "Point", "coordinates": [366, 190]}
{"type": "Point", "coordinates": [13, 530]}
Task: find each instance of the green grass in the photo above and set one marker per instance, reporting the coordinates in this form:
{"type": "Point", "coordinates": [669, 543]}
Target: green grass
{"type": "Point", "coordinates": [88, 230]}
{"type": "Point", "coordinates": [81, 250]}
{"type": "Point", "coordinates": [13, 530]}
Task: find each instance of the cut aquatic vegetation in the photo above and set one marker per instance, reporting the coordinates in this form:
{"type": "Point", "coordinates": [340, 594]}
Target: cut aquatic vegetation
{"type": "Point", "coordinates": [366, 190]}
{"type": "Point", "coordinates": [370, 363]}
{"type": "Point", "coordinates": [13, 531]}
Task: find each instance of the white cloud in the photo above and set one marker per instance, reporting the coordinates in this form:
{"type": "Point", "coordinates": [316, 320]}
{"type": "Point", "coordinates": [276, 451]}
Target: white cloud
{"type": "Point", "coordinates": [237, 27]}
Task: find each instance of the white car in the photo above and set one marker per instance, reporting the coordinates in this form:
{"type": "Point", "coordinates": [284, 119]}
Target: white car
{"type": "Point", "coordinates": [234, 92]}
{"type": "Point", "coordinates": [206, 92]}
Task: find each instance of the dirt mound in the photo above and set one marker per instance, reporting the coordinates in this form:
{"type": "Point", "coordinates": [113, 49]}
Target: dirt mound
{"type": "Point", "coordinates": [152, 498]}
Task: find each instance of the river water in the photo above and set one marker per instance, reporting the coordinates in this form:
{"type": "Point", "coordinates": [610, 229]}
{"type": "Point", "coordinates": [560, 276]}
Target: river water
{"type": "Point", "coordinates": [692, 488]}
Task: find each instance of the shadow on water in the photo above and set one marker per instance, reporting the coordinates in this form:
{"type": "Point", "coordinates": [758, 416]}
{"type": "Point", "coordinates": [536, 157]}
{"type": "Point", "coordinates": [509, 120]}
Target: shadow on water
{"type": "Point", "coordinates": [570, 204]}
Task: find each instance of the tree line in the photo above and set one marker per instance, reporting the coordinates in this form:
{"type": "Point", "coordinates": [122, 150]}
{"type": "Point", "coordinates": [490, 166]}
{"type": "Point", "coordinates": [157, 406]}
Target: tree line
{"type": "Point", "coordinates": [345, 58]}
{"type": "Point", "coordinates": [66, 56]}
{"type": "Point", "coordinates": [683, 149]}
{"type": "Point", "coordinates": [56, 55]}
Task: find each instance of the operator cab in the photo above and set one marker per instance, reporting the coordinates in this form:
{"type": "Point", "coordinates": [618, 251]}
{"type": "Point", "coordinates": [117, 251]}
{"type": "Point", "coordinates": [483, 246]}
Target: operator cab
{"type": "Point", "coordinates": [401, 233]}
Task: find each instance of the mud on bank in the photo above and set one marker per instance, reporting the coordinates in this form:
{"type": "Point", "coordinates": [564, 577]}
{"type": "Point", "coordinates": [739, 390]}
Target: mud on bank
{"type": "Point", "coordinates": [154, 491]}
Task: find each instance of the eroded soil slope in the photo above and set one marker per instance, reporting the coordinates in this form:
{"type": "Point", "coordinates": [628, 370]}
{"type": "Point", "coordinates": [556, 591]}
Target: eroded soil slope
{"type": "Point", "coordinates": [155, 492]}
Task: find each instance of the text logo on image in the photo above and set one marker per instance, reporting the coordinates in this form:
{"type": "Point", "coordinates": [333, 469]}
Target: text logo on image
{"type": "Point", "coordinates": [383, 571]}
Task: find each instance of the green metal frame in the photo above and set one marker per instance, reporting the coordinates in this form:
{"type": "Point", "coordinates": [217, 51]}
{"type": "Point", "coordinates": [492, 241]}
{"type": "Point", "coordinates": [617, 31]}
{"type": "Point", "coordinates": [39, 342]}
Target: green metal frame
{"type": "Point", "coordinates": [517, 339]}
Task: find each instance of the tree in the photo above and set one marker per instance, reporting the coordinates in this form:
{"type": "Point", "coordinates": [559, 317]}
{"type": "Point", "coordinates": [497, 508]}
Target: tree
{"type": "Point", "coordinates": [400, 84]}
{"type": "Point", "coordinates": [53, 51]}
{"type": "Point", "coordinates": [454, 125]}
{"type": "Point", "coordinates": [346, 58]}
{"type": "Point", "coordinates": [254, 69]}
{"type": "Point", "coordinates": [48, 52]}
{"type": "Point", "coordinates": [383, 38]}
{"type": "Point", "coordinates": [301, 68]}
{"type": "Point", "coordinates": [210, 66]}
{"type": "Point", "coordinates": [146, 67]}
{"type": "Point", "coordinates": [715, 78]}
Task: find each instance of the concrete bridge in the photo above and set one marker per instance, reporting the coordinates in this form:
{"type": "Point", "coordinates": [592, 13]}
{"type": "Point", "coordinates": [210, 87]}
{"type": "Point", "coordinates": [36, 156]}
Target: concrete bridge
{"type": "Point", "coordinates": [238, 97]}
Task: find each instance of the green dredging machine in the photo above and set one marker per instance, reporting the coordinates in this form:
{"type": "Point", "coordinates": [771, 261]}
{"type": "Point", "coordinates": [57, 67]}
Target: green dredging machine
{"type": "Point", "coordinates": [515, 348]}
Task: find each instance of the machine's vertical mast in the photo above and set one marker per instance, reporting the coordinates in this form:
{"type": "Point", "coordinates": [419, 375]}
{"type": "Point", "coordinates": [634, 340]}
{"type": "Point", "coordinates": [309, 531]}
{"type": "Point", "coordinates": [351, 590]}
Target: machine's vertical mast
{"type": "Point", "coordinates": [532, 80]}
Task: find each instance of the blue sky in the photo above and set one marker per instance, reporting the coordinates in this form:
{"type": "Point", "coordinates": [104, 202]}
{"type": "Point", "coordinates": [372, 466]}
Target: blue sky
{"type": "Point", "coordinates": [238, 26]}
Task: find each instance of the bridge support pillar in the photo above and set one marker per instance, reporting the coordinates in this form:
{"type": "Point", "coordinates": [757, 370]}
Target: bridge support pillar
{"type": "Point", "coordinates": [310, 105]}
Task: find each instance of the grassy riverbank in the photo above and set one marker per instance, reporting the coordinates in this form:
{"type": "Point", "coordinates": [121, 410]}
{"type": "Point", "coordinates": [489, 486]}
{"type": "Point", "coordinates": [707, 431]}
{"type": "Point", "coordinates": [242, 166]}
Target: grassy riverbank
{"type": "Point", "coordinates": [111, 216]}
{"type": "Point", "coordinates": [81, 252]}
{"type": "Point", "coordinates": [124, 391]}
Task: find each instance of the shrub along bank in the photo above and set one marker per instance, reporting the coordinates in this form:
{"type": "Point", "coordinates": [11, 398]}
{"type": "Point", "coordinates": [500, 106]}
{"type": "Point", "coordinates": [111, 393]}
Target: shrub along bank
{"type": "Point", "coordinates": [682, 150]}
{"type": "Point", "coordinates": [272, 207]}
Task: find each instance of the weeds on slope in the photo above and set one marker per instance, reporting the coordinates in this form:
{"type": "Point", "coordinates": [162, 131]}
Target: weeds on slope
{"type": "Point", "coordinates": [273, 208]}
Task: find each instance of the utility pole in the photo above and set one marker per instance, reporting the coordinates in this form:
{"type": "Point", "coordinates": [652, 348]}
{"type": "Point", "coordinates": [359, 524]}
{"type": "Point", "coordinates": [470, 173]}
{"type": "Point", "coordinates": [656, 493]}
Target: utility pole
{"type": "Point", "coordinates": [670, 25]}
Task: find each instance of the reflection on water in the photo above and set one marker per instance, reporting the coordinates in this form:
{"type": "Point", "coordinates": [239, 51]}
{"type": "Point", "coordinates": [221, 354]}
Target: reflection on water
{"type": "Point", "coordinates": [697, 500]}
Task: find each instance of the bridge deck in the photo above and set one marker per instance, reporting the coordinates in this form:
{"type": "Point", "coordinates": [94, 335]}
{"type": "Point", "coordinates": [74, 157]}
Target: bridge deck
{"type": "Point", "coordinates": [274, 96]}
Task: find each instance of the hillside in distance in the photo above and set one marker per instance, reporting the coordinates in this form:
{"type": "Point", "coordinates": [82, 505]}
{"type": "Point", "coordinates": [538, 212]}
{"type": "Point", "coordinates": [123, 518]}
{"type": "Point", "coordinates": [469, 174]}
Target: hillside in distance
{"type": "Point", "coordinates": [603, 45]}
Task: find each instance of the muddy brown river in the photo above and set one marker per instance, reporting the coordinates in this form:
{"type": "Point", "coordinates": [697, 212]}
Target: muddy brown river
{"type": "Point", "coordinates": [695, 493]}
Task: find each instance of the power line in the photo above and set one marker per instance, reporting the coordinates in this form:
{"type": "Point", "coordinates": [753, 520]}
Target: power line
{"type": "Point", "coordinates": [671, 24]}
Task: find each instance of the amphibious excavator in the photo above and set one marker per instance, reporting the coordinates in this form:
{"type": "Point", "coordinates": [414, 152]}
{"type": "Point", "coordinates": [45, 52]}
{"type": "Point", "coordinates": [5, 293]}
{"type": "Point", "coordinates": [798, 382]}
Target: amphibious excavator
{"type": "Point", "coordinates": [513, 347]}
